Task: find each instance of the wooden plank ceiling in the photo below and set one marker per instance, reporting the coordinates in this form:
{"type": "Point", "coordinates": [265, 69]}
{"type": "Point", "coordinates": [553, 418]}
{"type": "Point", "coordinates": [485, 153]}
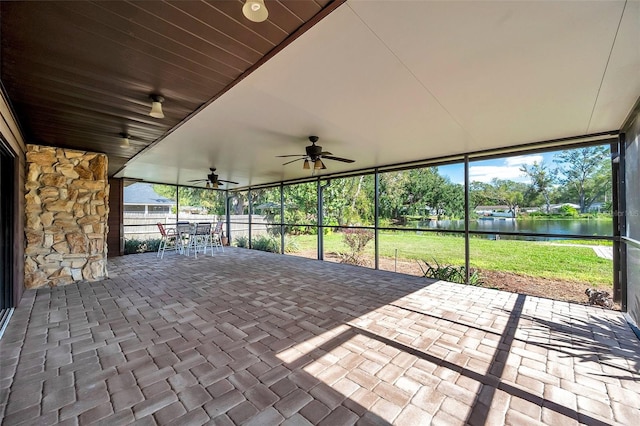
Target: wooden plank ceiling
{"type": "Point", "coordinates": [80, 73]}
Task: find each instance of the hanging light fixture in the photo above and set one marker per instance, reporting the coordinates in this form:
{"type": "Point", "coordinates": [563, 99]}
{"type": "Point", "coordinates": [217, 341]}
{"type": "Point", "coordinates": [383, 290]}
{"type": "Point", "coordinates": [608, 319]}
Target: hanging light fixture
{"type": "Point", "coordinates": [215, 185]}
{"type": "Point", "coordinates": [208, 185]}
{"type": "Point", "coordinates": [124, 142]}
{"type": "Point", "coordinates": [317, 165]}
{"type": "Point", "coordinates": [255, 10]}
{"type": "Point", "coordinates": [306, 164]}
{"type": "Point", "coordinates": [156, 106]}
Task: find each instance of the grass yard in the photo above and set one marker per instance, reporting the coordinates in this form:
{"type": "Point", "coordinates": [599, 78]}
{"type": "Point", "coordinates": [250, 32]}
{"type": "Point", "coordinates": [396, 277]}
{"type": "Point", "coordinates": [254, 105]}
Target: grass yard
{"type": "Point", "coordinates": [528, 258]}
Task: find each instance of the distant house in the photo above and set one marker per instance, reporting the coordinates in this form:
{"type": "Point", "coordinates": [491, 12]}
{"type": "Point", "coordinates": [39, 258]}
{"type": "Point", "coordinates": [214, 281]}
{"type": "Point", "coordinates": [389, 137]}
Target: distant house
{"type": "Point", "coordinates": [496, 211]}
{"type": "Point", "coordinates": [491, 209]}
{"type": "Point", "coordinates": [140, 198]}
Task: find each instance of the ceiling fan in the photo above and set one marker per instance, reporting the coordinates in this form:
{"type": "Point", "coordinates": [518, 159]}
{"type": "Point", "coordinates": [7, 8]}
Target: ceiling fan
{"type": "Point", "coordinates": [315, 155]}
{"type": "Point", "coordinates": [212, 180]}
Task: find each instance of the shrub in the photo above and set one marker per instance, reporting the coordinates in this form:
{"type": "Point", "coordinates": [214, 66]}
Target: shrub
{"type": "Point", "coordinates": [265, 243]}
{"type": "Point", "coordinates": [536, 214]}
{"type": "Point", "coordinates": [300, 230]}
{"type": "Point", "coordinates": [454, 274]}
{"type": "Point", "coordinates": [242, 241]}
{"type": "Point", "coordinates": [291, 246]}
{"type": "Point", "coordinates": [141, 246]}
{"type": "Point", "coordinates": [356, 239]}
{"type": "Point", "coordinates": [153, 244]}
{"type": "Point", "coordinates": [384, 222]}
{"type": "Point", "coordinates": [567, 210]}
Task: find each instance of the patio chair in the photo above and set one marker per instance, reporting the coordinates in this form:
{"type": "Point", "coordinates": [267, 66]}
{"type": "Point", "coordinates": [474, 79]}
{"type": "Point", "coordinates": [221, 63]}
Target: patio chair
{"type": "Point", "coordinates": [168, 236]}
{"type": "Point", "coordinates": [216, 238]}
{"type": "Point", "coordinates": [200, 238]}
{"type": "Point", "coordinates": [183, 230]}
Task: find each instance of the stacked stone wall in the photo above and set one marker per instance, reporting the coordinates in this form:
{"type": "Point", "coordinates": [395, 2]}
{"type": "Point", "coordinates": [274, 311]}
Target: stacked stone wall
{"type": "Point", "coordinates": [67, 207]}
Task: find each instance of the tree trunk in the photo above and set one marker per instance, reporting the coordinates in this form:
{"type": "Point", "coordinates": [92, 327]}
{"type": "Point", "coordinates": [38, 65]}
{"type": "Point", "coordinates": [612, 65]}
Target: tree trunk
{"type": "Point", "coordinates": [547, 202]}
{"type": "Point", "coordinates": [355, 197]}
{"type": "Point", "coordinates": [239, 207]}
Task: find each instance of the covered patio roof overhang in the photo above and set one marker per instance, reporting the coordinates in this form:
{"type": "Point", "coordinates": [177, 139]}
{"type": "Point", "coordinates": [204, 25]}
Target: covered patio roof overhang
{"type": "Point", "coordinates": [392, 82]}
{"type": "Point", "coordinates": [380, 82]}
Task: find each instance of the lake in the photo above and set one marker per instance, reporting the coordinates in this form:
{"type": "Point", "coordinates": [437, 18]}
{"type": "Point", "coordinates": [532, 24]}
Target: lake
{"type": "Point", "coordinates": [586, 227]}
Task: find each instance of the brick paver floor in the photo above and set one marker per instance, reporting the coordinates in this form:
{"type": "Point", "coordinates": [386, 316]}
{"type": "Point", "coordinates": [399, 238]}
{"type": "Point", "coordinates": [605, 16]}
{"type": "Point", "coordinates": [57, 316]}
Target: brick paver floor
{"type": "Point", "coordinates": [246, 337]}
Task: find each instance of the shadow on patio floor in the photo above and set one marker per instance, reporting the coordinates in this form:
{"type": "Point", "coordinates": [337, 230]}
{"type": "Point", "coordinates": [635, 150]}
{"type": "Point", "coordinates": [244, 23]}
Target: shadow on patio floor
{"type": "Point", "coordinates": [247, 337]}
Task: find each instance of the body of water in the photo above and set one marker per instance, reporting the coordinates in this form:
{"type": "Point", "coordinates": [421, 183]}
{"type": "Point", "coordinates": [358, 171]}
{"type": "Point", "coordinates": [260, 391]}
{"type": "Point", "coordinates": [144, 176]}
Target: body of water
{"type": "Point", "coordinates": [551, 226]}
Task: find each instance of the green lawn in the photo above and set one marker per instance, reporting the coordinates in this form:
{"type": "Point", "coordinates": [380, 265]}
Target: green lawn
{"type": "Point", "coordinates": [583, 242]}
{"type": "Point", "coordinates": [537, 259]}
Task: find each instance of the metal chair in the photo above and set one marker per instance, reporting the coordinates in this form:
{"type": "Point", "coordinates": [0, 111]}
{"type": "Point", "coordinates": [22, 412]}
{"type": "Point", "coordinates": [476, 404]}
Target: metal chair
{"type": "Point", "coordinates": [183, 231]}
{"type": "Point", "coordinates": [168, 236]}
{"type": "Point", "coordinates": [216, 238]}
{"type": "Point", "coordinates": [200, 238]}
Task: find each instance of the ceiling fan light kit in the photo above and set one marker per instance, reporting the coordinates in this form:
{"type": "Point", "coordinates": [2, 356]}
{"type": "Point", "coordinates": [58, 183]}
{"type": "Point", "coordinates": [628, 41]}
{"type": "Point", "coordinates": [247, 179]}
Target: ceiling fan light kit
{"type": "Point", "coordinates": [212, 180]}
{"type": "Point", "coordinates": [255, 10]}
{"type": "Point", "coordinates": [156, 106]}
{"type": "Point", "coordinates": [315, 154]}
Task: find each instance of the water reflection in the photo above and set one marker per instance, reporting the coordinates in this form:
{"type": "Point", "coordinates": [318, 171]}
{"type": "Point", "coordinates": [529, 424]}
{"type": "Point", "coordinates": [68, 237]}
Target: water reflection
{"type": "Point", "coordinates": [587, 227]}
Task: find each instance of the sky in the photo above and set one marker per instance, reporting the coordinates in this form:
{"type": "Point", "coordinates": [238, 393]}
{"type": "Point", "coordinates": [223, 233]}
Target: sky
{"type": "Point", "coordinates": [502, 168]}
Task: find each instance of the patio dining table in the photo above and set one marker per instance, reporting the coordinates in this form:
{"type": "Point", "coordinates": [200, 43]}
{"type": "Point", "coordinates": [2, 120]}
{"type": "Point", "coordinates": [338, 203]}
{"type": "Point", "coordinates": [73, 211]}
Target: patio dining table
{"type": "Point", "coordinates": [193, 237]}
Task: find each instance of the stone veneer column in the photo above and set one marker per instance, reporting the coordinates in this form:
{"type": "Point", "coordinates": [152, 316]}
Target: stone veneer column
{"type": "Point", "coordinates": [67, 208]}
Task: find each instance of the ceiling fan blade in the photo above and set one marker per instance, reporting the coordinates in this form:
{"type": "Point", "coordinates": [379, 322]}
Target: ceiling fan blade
{"type": "Point", "coordinates": [292, 161]}
{"type": "Point", "coordinates": [197, 180]}
{"type": "Point", "coordinates": [344, 160]}
{"type": "Point", "coordinates": [228, 181]}
{"type": "Point", "coordinates": [325, 153]}
{"type": "Point", "coordinates": [292, 155]}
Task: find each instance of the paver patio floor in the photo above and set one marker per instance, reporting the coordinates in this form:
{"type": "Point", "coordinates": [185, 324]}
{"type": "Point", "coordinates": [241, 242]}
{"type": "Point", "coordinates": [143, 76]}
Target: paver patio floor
{"type": "Point", "coordinates": [246, 337]}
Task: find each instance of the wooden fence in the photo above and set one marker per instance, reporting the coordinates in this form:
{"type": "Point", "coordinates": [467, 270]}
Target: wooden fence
{"type": "Point", "coordinates": [144, 226]}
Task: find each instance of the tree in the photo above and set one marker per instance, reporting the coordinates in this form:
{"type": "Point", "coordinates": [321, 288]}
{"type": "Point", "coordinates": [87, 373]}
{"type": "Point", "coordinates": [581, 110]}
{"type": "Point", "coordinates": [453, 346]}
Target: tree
{"type": "Point", "coordinates": [349, 201]}
{"type": "Point", "coordinates": [498, 191]}
{"type": "Point", "coordinates": [448, 200]}
{"type": "Point", "coordinates": [423, 188]}
{"type": "Point", "coordinates": [266, 202]}
{"type": "Point", "coordinates": [211, 200]}
{"type": "Point", "coordinates": [238, 203]}
{"type": "Point", "coordinates": [166, 191]}
{"type": "Point", "coordinates": [300, 207]}
{"type": "Point", "coordinates": [586, 173]}
{"type": "Point", "coordinates": [415, 191]}
{"type": "Point", "coordinates": [393, 194]}
{"type": "Point", "coordinates": [541, 181]}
